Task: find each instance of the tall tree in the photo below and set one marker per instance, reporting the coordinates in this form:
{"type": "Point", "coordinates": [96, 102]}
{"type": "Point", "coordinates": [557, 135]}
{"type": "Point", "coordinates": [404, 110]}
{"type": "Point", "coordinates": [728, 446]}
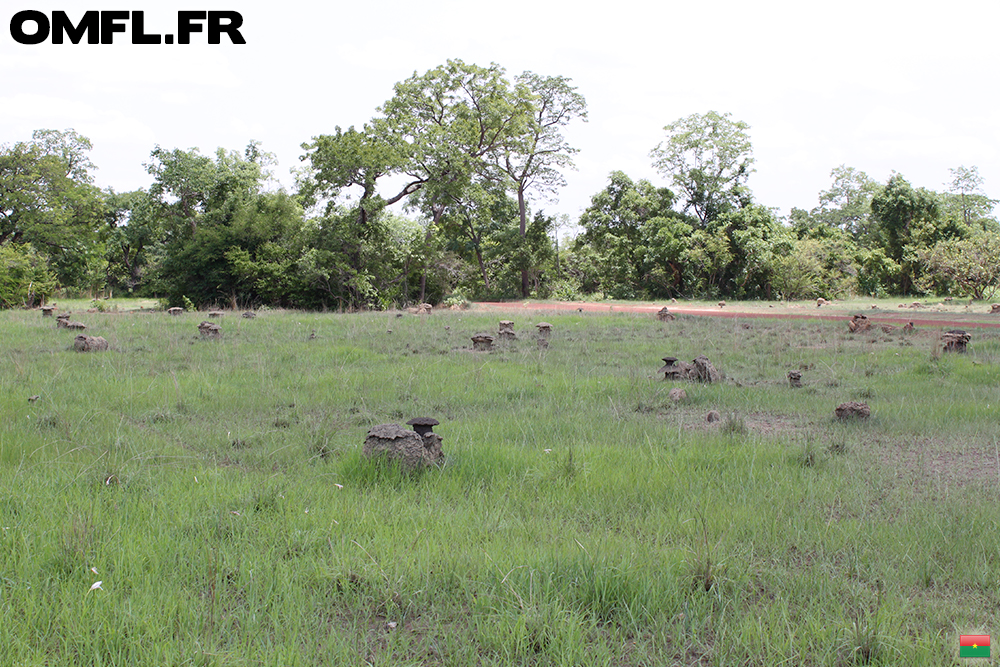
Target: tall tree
{"type": "Point", "coordinates": [533, 158]}
{"type": "Point", "coordinates": [440, 131]}
{"type": "Point", "coordinates": [847, 204]}
{"type": "Point", "coordinates": [133, 230]}
{"type": "Point", "coordinates": [708, 158]}
{"type": "Point", "coordinates": [226, 237]}
{"type": "Point", "coordinates": [47, 200]}
{"type": "Point", "coordinates": [976, 208]}
{"type": "Point", "coordinates": [907, 220]}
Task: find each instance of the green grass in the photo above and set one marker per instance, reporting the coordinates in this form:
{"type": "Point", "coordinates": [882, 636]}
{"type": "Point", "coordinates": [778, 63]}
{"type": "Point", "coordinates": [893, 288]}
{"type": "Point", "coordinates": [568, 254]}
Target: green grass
{"type": "Point", "coordinates": [581, 517]}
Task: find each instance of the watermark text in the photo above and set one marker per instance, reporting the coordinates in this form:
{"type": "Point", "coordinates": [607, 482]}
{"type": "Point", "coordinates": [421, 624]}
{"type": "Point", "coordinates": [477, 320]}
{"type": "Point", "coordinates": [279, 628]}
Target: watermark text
{"type": "Point", "coordinates": [100, 27]}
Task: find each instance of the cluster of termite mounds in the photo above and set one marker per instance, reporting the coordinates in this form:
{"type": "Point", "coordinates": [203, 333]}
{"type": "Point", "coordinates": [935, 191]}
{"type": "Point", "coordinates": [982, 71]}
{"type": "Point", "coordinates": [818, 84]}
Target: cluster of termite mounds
{"type": "Point", "coordinates": [483, 342]}
{"type": "Point", "coordinates": [83, 342]}
{"type": "Point", "coordinates": [953, 340]}
{"type": "Point", "coordinates": [860, 324]}
{"type": "Point", "coordinates": [63, 322]}
{"type": "Point", "coordinates": [209, 329]}
{"type": "Point", "coordinates": [699, 370]}
{"type": "Point", "coordinates": [412, 450]}
{"type": "Point", "coordinates": [422, 309]}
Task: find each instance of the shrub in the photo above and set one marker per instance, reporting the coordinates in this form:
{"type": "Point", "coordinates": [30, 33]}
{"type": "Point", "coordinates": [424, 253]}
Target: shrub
{"type": "Point", "coordinates": [24, 279]}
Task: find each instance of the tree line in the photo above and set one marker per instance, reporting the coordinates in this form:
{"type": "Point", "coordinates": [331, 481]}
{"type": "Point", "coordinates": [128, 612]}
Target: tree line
{"type": "Point", "coordinates": [439, 198]}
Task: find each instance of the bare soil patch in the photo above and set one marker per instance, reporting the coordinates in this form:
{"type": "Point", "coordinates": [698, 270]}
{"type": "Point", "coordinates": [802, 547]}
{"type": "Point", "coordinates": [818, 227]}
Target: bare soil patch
{"type": "Point", "coordinates": [925, 462]}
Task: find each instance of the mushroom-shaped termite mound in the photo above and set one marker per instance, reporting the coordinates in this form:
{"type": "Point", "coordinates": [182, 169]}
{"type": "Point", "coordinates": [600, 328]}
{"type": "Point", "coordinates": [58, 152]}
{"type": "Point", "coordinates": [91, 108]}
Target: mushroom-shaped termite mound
{"type": "Point", "coordinates": [423, 425]}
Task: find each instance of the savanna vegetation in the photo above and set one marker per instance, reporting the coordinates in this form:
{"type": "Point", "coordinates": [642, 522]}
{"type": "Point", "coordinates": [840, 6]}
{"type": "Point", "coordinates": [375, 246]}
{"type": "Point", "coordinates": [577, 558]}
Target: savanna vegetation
{"type": "Point", "coordinates": [179, 500]}
{"type": "Point", "coordinates": [440, 197]}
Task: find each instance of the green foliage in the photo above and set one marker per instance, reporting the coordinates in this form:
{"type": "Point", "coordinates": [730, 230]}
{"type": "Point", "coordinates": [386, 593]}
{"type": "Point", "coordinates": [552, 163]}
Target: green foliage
{"type": "Point", "coordinates": [133, 233]}
{"type": "Point", "coordinates": [906, 219]}
{"type": "Point", "coordinates": [532, 158]}
{"type": "Point", "coordinates": [971, 264]}
{"type": "Point", "coordinates": [348, 265]}
{"type": "Point", "coordinates": [24, 277]}
{"type": "Point", "coordinates": [966, 200]}
{"type": "Point", "coordinates": [877, 273]}
{"type": "Point", "coordinates": [816, 268]}
{"type": "Point", "coordinates": [224, 236]}
{"type": "Point", "coordinates": [636, 240]}
{"type": "Point", "coordinates": [464, 137]}
{"type": "Point", "coordinates": [708, 158]}
{"type": "Point", "coordinates": [847, 204]}
{"type": "Point", "coordinates": [47, 201]}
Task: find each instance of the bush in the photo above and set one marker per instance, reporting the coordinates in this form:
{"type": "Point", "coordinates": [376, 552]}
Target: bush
{"type": "Point", "coordinates": [565, 290]}
{"type": "Point", "coordinates": [25, 279]}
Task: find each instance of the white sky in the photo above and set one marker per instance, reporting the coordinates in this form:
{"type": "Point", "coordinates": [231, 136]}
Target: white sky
{"type": "Point", "coordinates": [879, 85]}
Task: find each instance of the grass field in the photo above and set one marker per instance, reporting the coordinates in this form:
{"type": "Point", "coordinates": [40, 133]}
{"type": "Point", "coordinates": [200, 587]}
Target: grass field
{"type": "Point", "coordinates": [216, 490]}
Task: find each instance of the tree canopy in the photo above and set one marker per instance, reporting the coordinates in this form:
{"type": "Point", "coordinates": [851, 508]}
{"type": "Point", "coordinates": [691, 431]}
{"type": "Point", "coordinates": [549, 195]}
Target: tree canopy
{"type": "Point", "coordinates": [438, 198]}
{"type": "Point", "coordinates": [708, 158]}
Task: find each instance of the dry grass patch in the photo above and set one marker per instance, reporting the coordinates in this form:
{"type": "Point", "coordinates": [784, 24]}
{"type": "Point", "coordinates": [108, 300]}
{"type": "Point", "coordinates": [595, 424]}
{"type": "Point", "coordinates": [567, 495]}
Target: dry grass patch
{"type": "Point", "coordinates": [930, 463]}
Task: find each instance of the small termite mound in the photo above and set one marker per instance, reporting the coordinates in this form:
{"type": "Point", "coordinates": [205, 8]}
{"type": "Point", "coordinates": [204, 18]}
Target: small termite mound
{"type": "Point", "coordinates": [852, 410]}
{"type": "Point", "coordinates": [85, 343]}
{"type": "Point", "coordinates": [955, 340]}
{"type": "Point", "coordinates": [664, 315]}
{"type": "Point", "coordinates": [506, 331]}
{"type": "Point", "coordinates": [544, 333]}
{"type": "Point", "coordinates": [423, 425]}
{"type": "Point", "coordinates": [482, 342]}
{"type": "Point", "coordinates": [47, 311]}
{"type": "Point", "coordinates": [859, 323]}
{"type": "Point", "coordinates": [249, 315]}
{"type": "Point", "coordinates": [210, 330]}
{"type": "Point", "coordinates": [175, 311]}
{"type": "Point", "coordinates": [216, 313]}
{"type": "Point", "coordinates": [393, 443]}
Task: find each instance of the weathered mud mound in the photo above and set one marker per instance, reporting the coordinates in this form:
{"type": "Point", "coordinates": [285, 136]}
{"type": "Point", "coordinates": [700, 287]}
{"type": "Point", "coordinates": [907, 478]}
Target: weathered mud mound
{"type": "Point", "coordinates": [392, 442]}
{"type": "Point", "coordinates": [210, 330]}
{"type": "Point", "coordinates": [853, 410]}
{"type": "Point", "coordinates": [858, 324]}
{"type": "Point", "coordinates": [85, 343]}
{"type": "Point", "coordinates": [955, 340]}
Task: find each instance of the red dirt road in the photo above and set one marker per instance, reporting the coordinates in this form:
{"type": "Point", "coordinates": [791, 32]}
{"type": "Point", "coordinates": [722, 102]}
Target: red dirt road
{"type": "Point", "coordinates": [930, 319]}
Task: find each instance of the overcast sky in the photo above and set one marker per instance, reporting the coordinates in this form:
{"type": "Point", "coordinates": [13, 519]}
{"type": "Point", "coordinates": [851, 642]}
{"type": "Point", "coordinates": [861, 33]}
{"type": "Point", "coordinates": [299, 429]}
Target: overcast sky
{"type": "Point", "coordinates": [873, 84]}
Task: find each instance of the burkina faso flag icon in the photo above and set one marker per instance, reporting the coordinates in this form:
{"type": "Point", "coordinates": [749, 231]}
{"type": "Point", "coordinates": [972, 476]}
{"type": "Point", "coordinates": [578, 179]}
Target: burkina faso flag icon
{"type": "Point", "coordinates": [974, 646]}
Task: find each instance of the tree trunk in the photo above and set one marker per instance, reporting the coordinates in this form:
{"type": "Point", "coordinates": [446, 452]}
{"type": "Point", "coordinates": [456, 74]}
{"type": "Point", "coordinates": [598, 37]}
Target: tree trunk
{"type": "Point", "coordinates": [438, 212]}
{"type": "Point", "coordinates": [522, 211]}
